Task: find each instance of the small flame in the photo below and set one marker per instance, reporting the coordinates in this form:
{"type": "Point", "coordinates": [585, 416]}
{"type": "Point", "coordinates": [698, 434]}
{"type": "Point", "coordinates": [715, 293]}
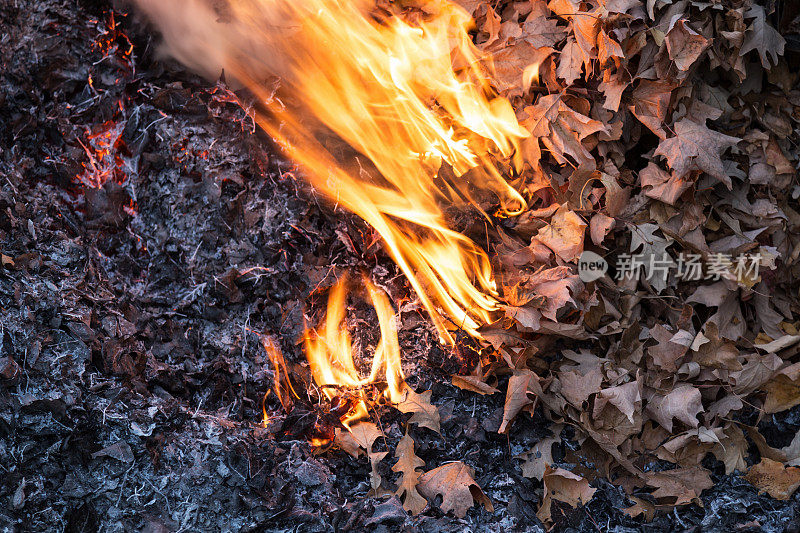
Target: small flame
{"type": "Point", "coordinates": [530, 76]}
{"type": "Point", "coordinates": [280, 372]}
{"type": "Point", "coordinates": [265, 419]}
{"type": "Point", "coordinates": [330, 352]}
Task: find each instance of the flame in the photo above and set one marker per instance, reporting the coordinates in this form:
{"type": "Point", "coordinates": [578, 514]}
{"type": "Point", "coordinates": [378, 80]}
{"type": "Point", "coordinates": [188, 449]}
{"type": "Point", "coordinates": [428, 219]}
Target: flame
{"type": "Point", "coordinates": [330, 352]}
{"type": "Point", "coordinates": [409, 97]}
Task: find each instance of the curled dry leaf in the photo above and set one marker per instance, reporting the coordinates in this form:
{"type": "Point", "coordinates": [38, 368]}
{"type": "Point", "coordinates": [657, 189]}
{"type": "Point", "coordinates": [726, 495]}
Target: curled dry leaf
{"type": "Point", "coordinates": [407, 464]}
{"type": "Point", "coordinates": [455, 484]}
{"type": "Point", "coordinates": [774, 478]}
{"type": "Point", "coordinates": [516, 397]}
{"type": "Point", "coordinates": [474, 384]}
{"type": "Point", "coordinates": [564, 486]}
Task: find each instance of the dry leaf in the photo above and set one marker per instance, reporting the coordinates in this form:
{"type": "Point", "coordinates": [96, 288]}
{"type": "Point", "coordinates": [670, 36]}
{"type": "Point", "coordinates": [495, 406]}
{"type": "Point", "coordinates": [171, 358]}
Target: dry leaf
{"type": "Point", "coordinates": [762, 37]}
{"type": "Point", "coordinates": [599, 226]}
{"type": "Point", "coordinates": [683, 402]}
{"type": "Point", "coordinates": [407, 464]}
{"type": "Point", "coordinates": [650, 104]}
{"type": "Point", "coordinates": [685, 45]}
{"type": "Point", "coordinates": [564, 486]}
{"type": "Point", "coordinates": [516, 397]}
{"type": "Point", "coordinates": [696, 147]}
{"type": "Point", "coordinates": [425, 414]}
{"type": "Point", "coordinates": [663, 186]}
{"type": "Point", "coordinates": [564, 235]}
{"type": "Point", "coordinates": [538, 458]}
{"type": "Point", "coordinates": [570, 62]}
{"type": "Point", "coordinates": [783, 390]}
{"type": "Point", "coordinates": [774, 478]}
{"type": "Point", "coordinates": [679, 486]}
{"type": "Point", "coordinates": [455, 483]}
{"type": "Point", "coordinates": [474, 384]}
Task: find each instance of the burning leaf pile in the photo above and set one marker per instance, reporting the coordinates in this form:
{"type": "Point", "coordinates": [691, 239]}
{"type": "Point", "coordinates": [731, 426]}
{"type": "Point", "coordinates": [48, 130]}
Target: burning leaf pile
{"type": "Point", "coordinates": [634, 123]}
{"type": "Point", "coordinates": [558, 236]}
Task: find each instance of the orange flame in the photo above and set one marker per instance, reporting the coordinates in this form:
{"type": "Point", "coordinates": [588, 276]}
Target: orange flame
{"type": "Point", "coordinates": [330, 353]}
{"type": "Point", "coordinates": [410, 98]}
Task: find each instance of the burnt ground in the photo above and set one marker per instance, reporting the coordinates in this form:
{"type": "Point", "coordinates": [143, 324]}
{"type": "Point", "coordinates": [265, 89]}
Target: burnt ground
{"type": "Point", "coordinates": [131, 368]}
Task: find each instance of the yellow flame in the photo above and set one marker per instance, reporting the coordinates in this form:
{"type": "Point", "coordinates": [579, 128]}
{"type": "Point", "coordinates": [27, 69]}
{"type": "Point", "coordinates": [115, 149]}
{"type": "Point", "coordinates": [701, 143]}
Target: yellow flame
{"type": "Point", "coordinates": [330, 353]}
{"type": "Point", "coordinates": [408, 97]}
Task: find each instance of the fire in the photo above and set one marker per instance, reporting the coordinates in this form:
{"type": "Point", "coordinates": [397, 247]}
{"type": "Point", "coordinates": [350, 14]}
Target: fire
{"type": "Point", "coordinates": [408, 96]}
{"type": "Point", "coordinates": [390, 115]}
{"type": "Point", "coordinates": [330, 352]}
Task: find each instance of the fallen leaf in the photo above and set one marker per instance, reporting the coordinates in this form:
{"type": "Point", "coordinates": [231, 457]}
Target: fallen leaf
{"type": "Point", "coordinates": [455, 484]}
{"type": "Point", "coordinates": [640, 507]}
{"type": "Point", "coordinates": [661, 185]}
{"type": "Point", "coordinates": [685, 45]}
{"type": "Point", "coordinates": [683, 402]}
{"type": "Point", "coordinates": [774, 478]}
{"type": "Point", "coordinates": [564, 235]}
{"type": "Point", "coordinates": [474, 384]}
{"type": "Point", "coordinates": [695, 147]}
{"type": "Point", "coordinates": [599, 226]}
{"type": "Point", "coordinates": [538, 458]}
{"type": "Point", "coordinates": [607, 48]}
{"type": "Point", "coordinates": [650, 104]}
{"type": "Point", "coordinates": [425, 414]}
{"type": "Point", "coordinates": [577, 388]}
{"type": "Point", "coordinates": [570, 62]}
{"type": "Point", "coordinates": [627, 398]}
{"type": "Point", "coordinates": [516, 397]}
{"type": "Point", "coordinates": [541, 31]}
{"type": "Point", "coordinates": [783, 390]}
{"type": "Point", "coordinates": [510, 62]}
{"type": "Point", "coordinates": [762, 37]}
{"type": "Point", "coordinates": [564, 486]}
{"type": "Point", "coordinates": [407, 464]}
{"type": "Point", "coordinates": [681, 485]}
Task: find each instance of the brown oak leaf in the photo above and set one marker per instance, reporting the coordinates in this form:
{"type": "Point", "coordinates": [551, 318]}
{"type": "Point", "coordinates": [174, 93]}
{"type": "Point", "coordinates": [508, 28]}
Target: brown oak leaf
{"type": "Point", "coordinates": [407, 464]}
{"type": "Point", "coordinates": [762, 37]}
{"type": "Point", "coordinates": [425, 414]}
{"type": "Point", "coordinates": [454, 482]}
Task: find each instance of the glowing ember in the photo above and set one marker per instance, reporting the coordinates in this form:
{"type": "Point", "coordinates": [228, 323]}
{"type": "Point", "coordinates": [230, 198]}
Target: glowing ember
{"type": "Point", "coordinates": [104, 148]}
